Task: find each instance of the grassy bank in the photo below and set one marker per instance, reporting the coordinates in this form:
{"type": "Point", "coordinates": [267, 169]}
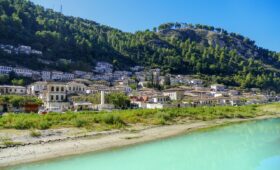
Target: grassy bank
{"type": "Point", "coordinates": [126, 118]}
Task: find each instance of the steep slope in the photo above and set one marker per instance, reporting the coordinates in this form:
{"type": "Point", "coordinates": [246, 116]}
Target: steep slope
{"type": "Point", "coordinates": [70, 43]}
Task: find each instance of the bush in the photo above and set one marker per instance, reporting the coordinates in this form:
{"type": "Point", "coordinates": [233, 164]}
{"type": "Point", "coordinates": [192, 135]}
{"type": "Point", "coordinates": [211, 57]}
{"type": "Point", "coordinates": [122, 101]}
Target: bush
{"type": "Point", "coordinates": [8, 142]}
{"type": "Point", "coordinates": [80, 123]}
{"type": "Point", "coordinates": [163, 115]}
{"type": "Point", "coordinates": [43, 125]}
{"type": "Point", "coordinates": [112, 119]}
{"type": "Point", "coordinates": [23, 124]}
{"type": "Point", "coordinates": [35, 134]}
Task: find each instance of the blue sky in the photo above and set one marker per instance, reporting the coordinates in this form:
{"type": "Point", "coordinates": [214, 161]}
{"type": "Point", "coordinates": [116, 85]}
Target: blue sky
{"type": "Point", "coordinates": [256, 19]}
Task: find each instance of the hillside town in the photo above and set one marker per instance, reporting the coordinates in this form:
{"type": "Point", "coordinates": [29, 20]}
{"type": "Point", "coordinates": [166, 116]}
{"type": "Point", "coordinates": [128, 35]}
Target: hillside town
{"type": "Point", "coordinates": [141, 86]}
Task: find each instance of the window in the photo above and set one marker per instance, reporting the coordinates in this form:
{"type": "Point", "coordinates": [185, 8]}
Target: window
{"type": "Point", "coordinates": [62, 97]}
{"type": "Point", "coordinates": [57, 97]}
{"type": "Point", "coordinates": [62, 88]}
{"type": "Point", "coordinates": [51, 97]}
{"type": "Point", "coordinates": [52, 88]}
{"type": "Point", "coordinates": [57, 88]}
{"type": "Point", "coordinates": [69, 88]}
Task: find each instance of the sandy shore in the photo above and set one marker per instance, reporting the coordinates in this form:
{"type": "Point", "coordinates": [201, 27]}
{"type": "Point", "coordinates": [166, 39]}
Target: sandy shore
{"type": "Point", "coordinates": [50, 150]}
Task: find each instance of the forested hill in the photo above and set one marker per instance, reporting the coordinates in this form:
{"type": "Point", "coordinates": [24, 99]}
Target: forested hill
{"type": "Point", "coordinates": [70, 43]}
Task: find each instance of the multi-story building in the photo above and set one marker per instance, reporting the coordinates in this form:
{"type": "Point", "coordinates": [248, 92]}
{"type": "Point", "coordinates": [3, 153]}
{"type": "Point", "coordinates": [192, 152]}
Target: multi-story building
{"type": "Point", "coordinates": [103, 67]}
{"type": "Point", "coordinates": [55, 97]}
{"type": "Point", "coordinates": [23, 72]}
{"type": "Point", "coordinates": [36, 88]}
{"type": "Point", "coordinates": [5, 70]}
{"type": "Point", "coordinates": [58, 75]}
{"type": "Point", "coordinates": [76, 88]}
{"type": "Point", "coordinates": [46, 75]}
{"type": "Point", "coordinates": [19, 90]}
{"type": "Point", "coordinates": [174, 93]}
{"type": "Point", "coordinates": [68, 76]}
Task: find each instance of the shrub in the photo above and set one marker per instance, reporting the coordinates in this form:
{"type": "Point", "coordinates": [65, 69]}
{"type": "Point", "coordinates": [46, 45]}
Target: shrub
{"type": "Point", "coordinates": [23, 124]}
{"type": "Point", "coordinates": [80, 123]}
{"type": "Point", "coordinates": [35, 134]}
{"type": "Point", "coordinates": [163, 115]}
{"type": "Point", "coordinates": [8, 142]}
{"type": "Point", "coordinates": [43, 125]}
{"type": "Point", "coordinates": [112, 119]}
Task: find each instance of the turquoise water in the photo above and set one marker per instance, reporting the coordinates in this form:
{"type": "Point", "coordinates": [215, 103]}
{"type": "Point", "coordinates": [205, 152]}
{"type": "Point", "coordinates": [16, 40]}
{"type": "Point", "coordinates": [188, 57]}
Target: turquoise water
{"type": "Point", "coordinates": [246, 146]}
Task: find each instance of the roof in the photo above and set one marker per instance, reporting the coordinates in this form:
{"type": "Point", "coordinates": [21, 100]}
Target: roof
{"type": "Point", "coordinates": [9, 86]}
{"type": "Point", "coordinates": [174, 90]}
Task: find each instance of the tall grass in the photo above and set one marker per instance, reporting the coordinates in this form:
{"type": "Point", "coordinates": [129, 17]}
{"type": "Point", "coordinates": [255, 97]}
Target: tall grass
{"type": "Point", "coordinates": [123, 118]}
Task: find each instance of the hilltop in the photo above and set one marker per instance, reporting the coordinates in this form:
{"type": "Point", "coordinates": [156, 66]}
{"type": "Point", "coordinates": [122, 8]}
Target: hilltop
{"type": "Point", "coordinates": [70, 43]}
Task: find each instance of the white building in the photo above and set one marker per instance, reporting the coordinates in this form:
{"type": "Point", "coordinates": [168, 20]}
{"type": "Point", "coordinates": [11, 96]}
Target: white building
{"type": "Point", "coordinates": [122, 89]}
{"type": "Point", "coordinates": [218, 87]}
{"type": "Point", "coordinates": [68, 76]}
{"type": "Point", "coordinates": [23, 72]}
{"type": "Point", "coordinates": [37, 52]}
{"type": "Point", "coordinates": [19, 90]}
{"type": "Point", "coordinates": [196, 82]}
{"type": "Point", "coordinates": [174, 94]}
{"type": "Point", "coordinates": [103, 67]}
{"type": "Point", "coordinates": [54, 97]}
{"type": "Point", "coordinates": [46, 75]}
{"type": "Point", "coordinates": [160, 99]}
{"type": "Point", "coordinates": [5, 70]}
{"type": "Point", "coordinates": [36, 88]}
{"type": "Point", "coordinates": [58, 75]}
{"type": "Point", "coordinates": [75, 88]}
{"type": "Point", "coordinates": [137, 68]}
{"type": "Point", "coordinates": [24, 49]}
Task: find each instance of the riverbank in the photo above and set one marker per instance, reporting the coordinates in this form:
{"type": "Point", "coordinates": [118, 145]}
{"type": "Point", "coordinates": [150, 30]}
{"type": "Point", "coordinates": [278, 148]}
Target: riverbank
{"type": "Point", "coordinates": [106, 140]}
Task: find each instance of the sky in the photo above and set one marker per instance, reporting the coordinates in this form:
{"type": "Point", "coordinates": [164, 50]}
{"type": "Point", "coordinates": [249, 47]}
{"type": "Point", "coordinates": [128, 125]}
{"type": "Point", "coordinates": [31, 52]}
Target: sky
{"type": "Point", "coordinates": [256, 19]}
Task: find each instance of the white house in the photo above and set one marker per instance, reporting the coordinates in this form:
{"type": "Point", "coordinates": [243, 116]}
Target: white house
{"type": "Point", "coordinates": [174, 94]}
{"type": "Point", "coordinates": [54, 97]}
{"type": "Point", "coordinates": [23, 72]}
{"type": "Point", "coordinates": [37, 88]}
{"type": "Point", "coordinates": [218, 87]}
{"type": "Point", "coordinates": [74, 87]}
{"type": "Point", "coordinates": [19, 90]}
{"type": "Point", "coordinates": [24, 49]}
{"type": "Point", "coordinates": [36, 52]}
{"type": "Point", "coordinates": [56, 75]}
{"type": "Point", "coordinates": [160, 99]}
{"type": "Point", "coordinates": [196, 82]}
{"type": "Point", "coordinates": [103, 67]}
{"type": "Point", "coordinates": [46, 75]}
{"type": "Point", "coordinates": [122, 88]}
{"type": "Point", "coordinates": [5, 70]}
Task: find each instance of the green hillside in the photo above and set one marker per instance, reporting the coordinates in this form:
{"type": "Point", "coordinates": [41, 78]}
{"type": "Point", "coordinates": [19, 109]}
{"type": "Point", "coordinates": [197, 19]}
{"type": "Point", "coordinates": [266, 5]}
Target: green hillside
{"type": "Point", "coordinates": [71, 43]}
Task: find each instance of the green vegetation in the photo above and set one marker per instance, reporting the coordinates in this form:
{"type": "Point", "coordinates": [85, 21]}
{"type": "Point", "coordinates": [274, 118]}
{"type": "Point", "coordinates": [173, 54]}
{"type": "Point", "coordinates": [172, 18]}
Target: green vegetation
{"type": "Point", "coordinates": [35, 134]}
{"type": "Point", "coordinates": [17, 101]}
{"type": "Point", "coordinates": [183, 48]}
{"type": "Point", "coordinates": [126, 118]}
{"type": "Point", "coordinates": [7, 142]}
{"type": "Point", "coordinates": [119, 100]}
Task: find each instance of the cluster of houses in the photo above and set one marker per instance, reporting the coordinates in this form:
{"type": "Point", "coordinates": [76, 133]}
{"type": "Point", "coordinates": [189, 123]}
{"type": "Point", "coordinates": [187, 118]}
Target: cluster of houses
{"type": "Point", "coordinates": [21, 49]}
{"type": "Point", "coordinates": [192, 96]}
{"type": "Point", "coordinates": [56, 96]}
{"type": "Point", "coordinates": [55, 89]}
